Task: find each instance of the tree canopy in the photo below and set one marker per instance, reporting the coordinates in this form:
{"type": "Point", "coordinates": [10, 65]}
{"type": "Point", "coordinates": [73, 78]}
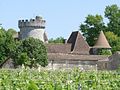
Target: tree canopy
{"type": "Point", "coordinates": [113, 40]}
{"type": "Point", "coordinates": [7, 44]}
{"type": "Point", "coordinates": [94, 24]}
{"type": "Point", "coordinates": [31, 52]}
{"type": "Point", "coordinates": [92, 27]}
{"type": "Point", "coordinates": [57, 40]}
{"type": "Point", "coordinates": [11, 31]}
{"type": "Point", "coordinates": [112, 13]}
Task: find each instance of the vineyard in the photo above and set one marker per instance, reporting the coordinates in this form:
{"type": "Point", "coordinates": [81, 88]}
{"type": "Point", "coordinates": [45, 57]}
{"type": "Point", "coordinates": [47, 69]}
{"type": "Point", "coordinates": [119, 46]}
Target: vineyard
{"type": "Point", "coordinates": [32, 79]}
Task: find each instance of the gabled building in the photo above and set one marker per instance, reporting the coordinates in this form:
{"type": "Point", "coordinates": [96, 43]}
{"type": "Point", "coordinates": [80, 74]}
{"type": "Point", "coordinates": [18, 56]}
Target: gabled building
{"type": "Point", "coordinates": [78, 44]}
{"type": "Point", "coordinates": [76, 53]}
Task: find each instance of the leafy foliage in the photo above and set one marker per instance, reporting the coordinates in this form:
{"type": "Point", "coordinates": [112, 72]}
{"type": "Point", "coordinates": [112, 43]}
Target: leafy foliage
{"type": "Point", "coordinates": [57, 40]}
{"type": "Point", "coordinates": [92, 27]}
{"type": "Point", "coordinates": [31, 79]}
{"type": "Point", "coordinates": [94, 24]}
{"type": "Point", "coordinates": [31, 52]}
{"type": "Point", "coordinates": [7, 45]}
{"type": "Point", "coordinates": [113, 14]}
{"type": "Point", "coordinates": [104, 52]}
{"type": "Point", "coordinates": [11, 31]}
{"type": "Point", "coordinates": [114, 41]}
{"type": "Point", "coordinates": [2, 42]}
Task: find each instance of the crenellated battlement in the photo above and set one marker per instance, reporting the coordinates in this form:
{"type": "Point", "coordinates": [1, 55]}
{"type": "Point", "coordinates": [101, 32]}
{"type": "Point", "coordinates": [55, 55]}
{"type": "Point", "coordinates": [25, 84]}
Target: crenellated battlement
{"type": "Point", "coordinates": [38, 22]}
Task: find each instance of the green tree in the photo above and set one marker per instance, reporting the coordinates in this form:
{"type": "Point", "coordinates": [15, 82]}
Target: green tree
{"type": "Point", "coordinates": [2, 43]}
{"type": "Point", "coordinates": [94, 24]}
{"type": "Point", "coordinates": [23, 59]}
{"type": "Point", "coordinates": [92, 27]}
{"type": "Point", "coordinates": [12, 31]}
{"type": "Point", "coordinates": [113, 14]}
{"type": "Point", "coordinates": [31, 52]}
{"type": "Point", "coordinates": [104, 52]}
{"type": "Point", "coordinates": [113, 40]}
{"type": "Point", "coordinates": [7, 45]}
{"type": "Point", "coordinates": [57, 40]}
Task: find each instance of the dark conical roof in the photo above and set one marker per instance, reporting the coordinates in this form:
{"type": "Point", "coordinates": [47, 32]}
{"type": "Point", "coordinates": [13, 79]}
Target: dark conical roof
{"type": "Point", "coordinates": [79, 45]}
{"type": "Point", "coordinates": [102, 42]}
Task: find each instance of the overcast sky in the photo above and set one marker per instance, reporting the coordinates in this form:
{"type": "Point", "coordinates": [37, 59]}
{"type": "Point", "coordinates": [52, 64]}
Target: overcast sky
{"type": "Point", "coordinates": [62, 16]}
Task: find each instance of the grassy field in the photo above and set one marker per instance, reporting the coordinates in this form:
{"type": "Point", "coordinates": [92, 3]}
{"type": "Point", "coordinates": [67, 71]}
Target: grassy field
{"type": "Point", "coordinates": [33, 79]}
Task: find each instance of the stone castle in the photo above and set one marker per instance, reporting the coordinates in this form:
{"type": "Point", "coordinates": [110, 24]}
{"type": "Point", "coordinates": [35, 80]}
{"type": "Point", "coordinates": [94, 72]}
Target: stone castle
{"type": "Point", "coordinates": [75, 52]}
{"type": "Point", "coordinates": [33, 28]}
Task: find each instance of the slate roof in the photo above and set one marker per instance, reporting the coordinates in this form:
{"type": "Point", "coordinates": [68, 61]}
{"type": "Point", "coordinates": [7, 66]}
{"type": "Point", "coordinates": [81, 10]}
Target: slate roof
{"type": "Point", "coordinates": [58, 48]}
{"type": "Point", "coordinates": [79, 45]}
{"type": "Point", "coordinates": [102, 42]}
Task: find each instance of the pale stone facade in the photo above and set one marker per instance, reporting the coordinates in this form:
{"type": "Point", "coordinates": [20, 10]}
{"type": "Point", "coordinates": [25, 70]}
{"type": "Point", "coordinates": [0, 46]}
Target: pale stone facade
{"type": "Point", "coordinates": [69, 61]}
{"type": "Point", "coordinates": [34, 28]}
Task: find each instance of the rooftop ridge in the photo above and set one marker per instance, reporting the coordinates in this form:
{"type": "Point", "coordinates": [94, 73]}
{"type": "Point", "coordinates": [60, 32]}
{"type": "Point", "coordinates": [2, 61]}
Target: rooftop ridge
{"type": "Point", "coordinates": [79, 45]}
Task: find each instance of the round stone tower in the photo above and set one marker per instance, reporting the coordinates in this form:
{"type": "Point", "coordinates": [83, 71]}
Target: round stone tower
{"type": "Point", "coordinates": [33, 28]}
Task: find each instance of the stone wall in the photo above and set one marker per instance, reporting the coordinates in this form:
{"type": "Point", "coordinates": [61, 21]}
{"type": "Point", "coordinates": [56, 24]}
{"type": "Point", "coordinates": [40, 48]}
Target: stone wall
{"type": "Point", "coordinates": [114, 61]}
{"type": "Point", "coordinates": [69, 64]}
{"type": "Point", "coordinates": [8, 64]}
{"type": "Point", "coordinates": [103, 65]}
{"type": "Point", "coordinates": [110, 63]}
{"type": "Point", "coordinates": [31, 32]}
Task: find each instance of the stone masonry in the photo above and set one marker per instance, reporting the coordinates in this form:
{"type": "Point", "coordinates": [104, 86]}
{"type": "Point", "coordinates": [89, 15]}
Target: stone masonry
{"type": "Point", "coordinates": [34, 28]}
